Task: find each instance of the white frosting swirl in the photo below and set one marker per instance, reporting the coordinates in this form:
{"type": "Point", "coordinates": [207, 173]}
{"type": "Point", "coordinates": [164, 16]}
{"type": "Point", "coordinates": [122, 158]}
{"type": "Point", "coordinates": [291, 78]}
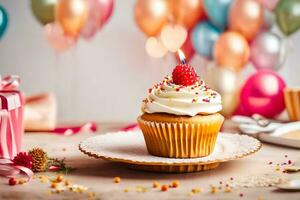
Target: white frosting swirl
{"type": "Point", "coordinates": [168, 97]}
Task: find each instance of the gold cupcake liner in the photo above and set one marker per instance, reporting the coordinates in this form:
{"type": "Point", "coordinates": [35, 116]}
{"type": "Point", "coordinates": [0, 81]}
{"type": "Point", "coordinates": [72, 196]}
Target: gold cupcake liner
{"type": "Point", "coordinates": [180, 140]}
{"type": "Point", "coordinates": [292, 103]}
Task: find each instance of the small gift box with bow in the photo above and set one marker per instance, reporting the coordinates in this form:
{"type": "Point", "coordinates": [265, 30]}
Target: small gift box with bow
{"type": "Point", "coordinates": [11, 117]}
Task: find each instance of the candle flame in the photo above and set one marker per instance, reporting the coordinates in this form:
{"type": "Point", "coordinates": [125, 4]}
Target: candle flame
{"type": "Point", "coordinates": [181, 56]}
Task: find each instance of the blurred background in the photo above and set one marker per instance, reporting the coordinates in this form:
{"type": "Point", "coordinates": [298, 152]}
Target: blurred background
{"type": "Point", "coordinates": [105, 77]}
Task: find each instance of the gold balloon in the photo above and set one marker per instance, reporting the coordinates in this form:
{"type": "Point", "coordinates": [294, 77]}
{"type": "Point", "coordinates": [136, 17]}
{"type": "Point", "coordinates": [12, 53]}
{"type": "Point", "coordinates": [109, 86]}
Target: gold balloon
{"type": "Point", "coordinates": [230, 102]}
{"type": "Point", "coordinates": [246, 17]}
{"type": "Point", "coordinates": [72, 15]}
{"type": "Point", "coordinates": [231, 50]}
{"type": "Point", "coordinates": [225, 82]}
{"type": "Point", "coordinates": [187, 12]}
{"type": "Point", "coordinates": [152, 15]}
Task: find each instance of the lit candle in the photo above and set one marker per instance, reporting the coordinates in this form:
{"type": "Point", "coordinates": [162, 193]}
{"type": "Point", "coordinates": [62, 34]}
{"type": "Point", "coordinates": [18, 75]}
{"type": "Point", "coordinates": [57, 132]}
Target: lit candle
{"type": "Point", "coordinates": [181, 57]}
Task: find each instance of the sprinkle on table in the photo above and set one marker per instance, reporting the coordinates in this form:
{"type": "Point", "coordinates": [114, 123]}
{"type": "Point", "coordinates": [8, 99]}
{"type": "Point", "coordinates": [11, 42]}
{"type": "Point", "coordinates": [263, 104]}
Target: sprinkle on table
{"type": "Point", "coordinates": [227, 190]}
{"type": "Point", "coordinates": [12, 181]}
{"type": "Point", "coordinates": [164, 188]}
{"type": "Point", "coordinates": [117, 179]}
{"type": "Point", "coordinates": [196, 190]}
{"type": "Point", "coordinates": [175, 183]}
{"type": "Point", "coordinates": [59, 178]}
{"type": "Point", "coordinates": [68, 182]}
{"type": "Point", "coordinates": [213, 189]}
{"type": "Point", "coordinates": [156, 184]}
{"type": "Point", "coordinates": [54, 185]}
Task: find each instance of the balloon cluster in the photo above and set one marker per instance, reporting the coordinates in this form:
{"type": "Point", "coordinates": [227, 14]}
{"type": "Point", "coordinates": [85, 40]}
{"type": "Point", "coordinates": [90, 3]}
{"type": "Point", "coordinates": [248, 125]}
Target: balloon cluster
{"type": "Point", "coordinates": [229, 34]}
{"type": "Point", "coordinates": [3, 21]}
{"type": "Point", "coordinates": [66, 20]}
{"type": "Point", "coordinates": [167, 24]}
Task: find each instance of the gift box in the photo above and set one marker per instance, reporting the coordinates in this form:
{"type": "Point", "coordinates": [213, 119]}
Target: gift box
{"type": "Point", "coordinates": [11, 117]}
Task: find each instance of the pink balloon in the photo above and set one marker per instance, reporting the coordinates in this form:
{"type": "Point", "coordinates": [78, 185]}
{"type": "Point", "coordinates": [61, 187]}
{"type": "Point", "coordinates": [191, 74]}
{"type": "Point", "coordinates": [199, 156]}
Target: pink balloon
{"type": "Point", "coordinates": [100, 11]}
{"type": "Point", "coordinates": [269, 4]}
{"type": "Point", "coordinates": [56, 37]}
{"type": "Point", "coordinates": [94, 20]}
{"type": "Point", "coordinates": [107, 7]}
{"type": "Point", "coordinates": [263, 94]}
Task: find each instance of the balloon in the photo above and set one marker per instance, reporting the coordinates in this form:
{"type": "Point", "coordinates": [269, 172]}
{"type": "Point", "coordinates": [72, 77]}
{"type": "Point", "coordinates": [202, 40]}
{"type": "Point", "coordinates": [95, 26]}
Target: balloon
{"type": "Point", "coordinates": [173, 37]}
{"type": "Point", "coordinates": [288, 16]}
{"type": "Point", "coordinates": [187, 49]}
{"type": "Point", "coordinates": [155, 48]}
{"type": "Point", "coordinates": [225, 82]}
{"type": "Point", "coordinates": [263, 94]}
{"type": "Point", "coordinates": [94, 20]}
{"type": "Point", "coordinates": [43, 10]}
{"type": "Point", "coordinates": [152, 15]}
{"type": "Point", "coordinates": [107, 7]}
{"type": "Point", "coordinates": [217, 11]}
{"type": "Point", "coordinates": [269, 19]}
{"type": "Point", "coordinates": [99, 13]}
{"type": "Point", "coordinates": [268, 4]}
{"type": "Point", "coordinates": [3, 21]}
{"type": "Point", "coordinates": [246, 17]}
{"type": "Point", "coordinates": [56, 37]}
{"type": "Point", "coordinates": [72, 15]}
{"type": "Point", "coordinates": [231, 50]}
{"type": "Point", "coordinates": [267, 51]}
{"type": "Point", "coordinates": [204, 36]}
{"type": "Point", "coordinates": [187, 12]}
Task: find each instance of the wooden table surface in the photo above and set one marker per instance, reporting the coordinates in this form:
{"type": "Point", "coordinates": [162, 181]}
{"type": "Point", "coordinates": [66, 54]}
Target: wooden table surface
{"type": "Point", "coordinates": [98, 175]}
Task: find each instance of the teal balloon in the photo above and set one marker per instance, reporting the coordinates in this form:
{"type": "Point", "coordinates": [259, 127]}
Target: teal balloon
{"type": "Point", "coordinates": [288, 16]}
{"type": "Point", "coordinates": [204, 36]}
{"type": "Point", "coordinates": [3, 21]}
{"type": "Point", "coordinates": [43, 10]}
{"type": "Point", "coordinates": [217, 11]}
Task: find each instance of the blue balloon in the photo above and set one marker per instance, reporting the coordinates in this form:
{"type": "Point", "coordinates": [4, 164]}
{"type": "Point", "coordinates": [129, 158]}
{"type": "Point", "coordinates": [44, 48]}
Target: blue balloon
{"type": "Point", "coordinates": [3, 21]}
{"type": "Point", "coordinates": [204, 36]}
{"type": "Point", "coordinates": [217, 11]}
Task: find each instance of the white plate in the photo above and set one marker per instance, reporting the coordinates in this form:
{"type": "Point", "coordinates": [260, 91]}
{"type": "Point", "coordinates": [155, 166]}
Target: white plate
{"type": "Point", "coordinates": [129, 147]}
{"type": "Point", "coordinates": [274, 137]}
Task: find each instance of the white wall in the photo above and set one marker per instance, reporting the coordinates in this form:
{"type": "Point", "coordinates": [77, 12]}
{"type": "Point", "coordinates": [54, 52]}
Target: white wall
{"type": "Point", "coordinates": [102, 79]}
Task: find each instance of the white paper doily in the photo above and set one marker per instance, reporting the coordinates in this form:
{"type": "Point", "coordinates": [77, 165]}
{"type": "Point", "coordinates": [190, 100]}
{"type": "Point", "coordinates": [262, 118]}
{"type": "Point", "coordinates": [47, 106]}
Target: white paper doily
{"type": "Point", "coordinates": [129, 147]}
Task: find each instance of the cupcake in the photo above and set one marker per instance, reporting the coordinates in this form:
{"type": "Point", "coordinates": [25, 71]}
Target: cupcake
{"type": "Point", "coordinates": [180, 116]}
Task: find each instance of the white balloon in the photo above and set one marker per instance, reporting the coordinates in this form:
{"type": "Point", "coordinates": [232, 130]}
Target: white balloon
{"type": "Point", "coordinates": [268, 51]}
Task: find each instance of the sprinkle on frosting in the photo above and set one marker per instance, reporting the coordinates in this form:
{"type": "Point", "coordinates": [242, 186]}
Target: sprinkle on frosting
{"type": "Point", "coordinates": [168, 97]}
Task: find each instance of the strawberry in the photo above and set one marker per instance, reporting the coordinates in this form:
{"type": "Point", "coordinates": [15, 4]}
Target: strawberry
{"type": "Point", "coordinates": [184, 74]}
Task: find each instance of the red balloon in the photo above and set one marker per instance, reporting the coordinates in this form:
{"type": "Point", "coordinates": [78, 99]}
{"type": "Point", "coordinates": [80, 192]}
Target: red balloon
{"type": "Point", "coordinates": [263, 94]}
{"type": "Point", "coordinates": [187, 49]}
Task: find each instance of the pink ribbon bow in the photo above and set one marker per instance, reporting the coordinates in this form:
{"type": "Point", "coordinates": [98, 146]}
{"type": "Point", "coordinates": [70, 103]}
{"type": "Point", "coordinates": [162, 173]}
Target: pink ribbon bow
{"type": "Point", "coordinates": [10, 82]}
{"type": "Point", "coordinates": [9, 169]}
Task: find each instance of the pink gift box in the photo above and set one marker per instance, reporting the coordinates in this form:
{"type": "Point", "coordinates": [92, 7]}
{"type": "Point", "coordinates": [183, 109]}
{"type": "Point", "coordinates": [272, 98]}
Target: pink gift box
{"type": "Point", "coordinates": [11, 122]}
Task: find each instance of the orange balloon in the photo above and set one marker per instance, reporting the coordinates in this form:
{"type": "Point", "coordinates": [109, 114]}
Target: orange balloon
{"type": "Point", "coordinates": [152, 15]}
{"type": "Point", "coordinates": [231, 50]}
{"type": "Point", "coordinates": [72, 15]}
{"type": "Point", "coordinates": [246, 17]}
{"type": "Point", "coordinates": [187, 12]}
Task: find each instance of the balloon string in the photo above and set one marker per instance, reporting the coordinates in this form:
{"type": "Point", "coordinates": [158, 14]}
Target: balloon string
{"type": "Point", "coordinates": [74, 80]}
